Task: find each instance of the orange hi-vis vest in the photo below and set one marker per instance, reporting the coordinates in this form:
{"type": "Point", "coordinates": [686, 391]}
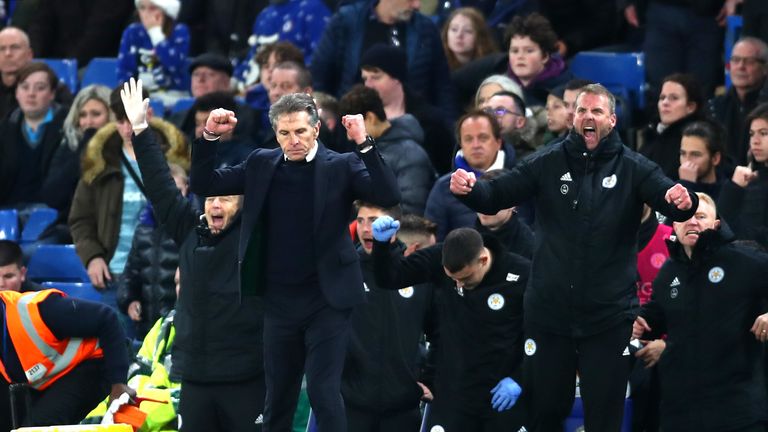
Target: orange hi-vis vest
{"type": "Point", "coordinates": [43, 357]}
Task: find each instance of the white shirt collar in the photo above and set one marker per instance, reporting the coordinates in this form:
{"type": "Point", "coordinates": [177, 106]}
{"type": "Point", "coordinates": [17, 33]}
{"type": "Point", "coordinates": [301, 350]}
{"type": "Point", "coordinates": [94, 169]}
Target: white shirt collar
{"type": "Point", "coordinates": [310, 156]}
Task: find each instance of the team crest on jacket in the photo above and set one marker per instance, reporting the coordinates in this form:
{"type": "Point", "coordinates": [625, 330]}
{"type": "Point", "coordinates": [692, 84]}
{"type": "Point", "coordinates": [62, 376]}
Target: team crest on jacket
{"type": "Point", "coordinates": [716, 274]}
{"type": "Point", "coordinates": [437, 428]}
{"type": "Point", "coordinates": [609, 182]}
{"type": "Point", "coordinates": [564, 189]}
{"type": "Point", "coordinates": [495, 301]}
{"type": "Point", "coordinates": [406, 292]}
{"type": "Point", "coordinates": [511, 277]}
{"type": "Point", "coordinates": [529, 347]}
{"type": "Point", "coordinates": [673, 293]}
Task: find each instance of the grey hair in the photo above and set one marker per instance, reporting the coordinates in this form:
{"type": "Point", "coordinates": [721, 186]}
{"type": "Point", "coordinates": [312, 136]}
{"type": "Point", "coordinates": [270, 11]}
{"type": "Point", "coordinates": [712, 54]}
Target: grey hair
{"type": "Point", "coordinates": [72, 132]}
{"type": "Point", "coordinates": [294, 103]}
{"type": "Point", "coordinates": [599, 89]}
{"type": "Point", "coordinates": [762, 47]}
{"type": "Point", "coordinates": [505, 82]}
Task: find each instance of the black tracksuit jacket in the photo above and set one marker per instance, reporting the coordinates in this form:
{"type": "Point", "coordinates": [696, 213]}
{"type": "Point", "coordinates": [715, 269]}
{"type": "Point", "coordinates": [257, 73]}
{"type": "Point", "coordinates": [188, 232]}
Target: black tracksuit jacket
{"type": "Point", "coordinates": [588, 210]}
{"type": "Point", "coordinates": [711, 371]}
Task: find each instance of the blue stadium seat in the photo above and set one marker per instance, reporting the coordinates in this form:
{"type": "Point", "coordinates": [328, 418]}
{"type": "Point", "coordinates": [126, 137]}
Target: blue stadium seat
{"type": "Point", "coordinates": [39, 220]}
{"type": "Point", "coordinates": [80, 290]}
{"type": "Point", "coordinates": [58, 263]}
{"type": "Point", "coordinates": [622, 73]}
{"type": "Point", "coordinates": [66, 70]}
{"type": "Point", "coordinates": [182, 104]}
{"type": "Point", "coordinates": [157, 107]}
{"type": "Point", "coordinates": [101, 70]}
{"type": "Point", "coordinates": [9, 225]}
{"type": "Point", "coordinates": [732, 34]}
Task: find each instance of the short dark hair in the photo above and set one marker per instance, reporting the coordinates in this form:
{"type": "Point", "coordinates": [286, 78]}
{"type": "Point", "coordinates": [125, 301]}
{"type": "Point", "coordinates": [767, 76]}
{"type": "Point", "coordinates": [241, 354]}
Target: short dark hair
{"type": "Point", "coordinates": [475, 113]}
{"type": "Point", "coordinates": [30, 68]}
{"type": "Point", "coordinates": [303, 76]}
{"type": "Point", "coordinates": [537, 27]}
{"type": "Point", "coordinates": [519, 102]}
{"type": "Point", "coordinates": [395, 212]}
{"type": "Point", "coordinates": [213, 100]}
{"type": "Point", "coordinates": [759, 112]}
{"type": "Point", "coordinates": [284, 51]}
{"type": "Point", "coordinates": [116, 103]}
{"type": "Point", "coordinates": [294, 103]}
{"type": "Point", "coordinates": [711, 132]}
{"type": "Point", "coordinates": [360, 100]}
{"type": "Point", "coordinates": [691, 86]}
{"type": "Point", "coordinates": [599, 89]}
{"type": "Point", "coordinates": [412, 224]}
{"type": "Point", "coordinates": [10, 253]}
{"type": "Point", "coordinates": [461, 248]}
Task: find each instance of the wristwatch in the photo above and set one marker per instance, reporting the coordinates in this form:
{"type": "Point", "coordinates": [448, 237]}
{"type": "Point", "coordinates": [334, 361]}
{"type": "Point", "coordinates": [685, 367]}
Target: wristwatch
{"type": "Point", "coordinates": [367, 145]}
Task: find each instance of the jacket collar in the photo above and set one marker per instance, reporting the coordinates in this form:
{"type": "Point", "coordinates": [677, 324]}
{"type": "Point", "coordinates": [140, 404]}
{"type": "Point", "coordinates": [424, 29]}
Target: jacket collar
{"type": "Point", "coordinates": [608, 147]}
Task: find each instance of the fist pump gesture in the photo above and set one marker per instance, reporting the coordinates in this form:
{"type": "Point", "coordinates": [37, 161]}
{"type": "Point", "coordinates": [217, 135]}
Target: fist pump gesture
{"type": "Point", "coordinates": [462, 182]}
{"type": "Point", "coordinates": [220, 122]}
{"type": "Point", "coordinates": [678, 196]}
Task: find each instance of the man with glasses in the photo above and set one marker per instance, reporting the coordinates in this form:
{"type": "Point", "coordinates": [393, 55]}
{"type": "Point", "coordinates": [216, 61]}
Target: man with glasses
{"type": "Point", "coordinates": [481, 149]}
{"type": "Point", "coordinates": [748, 74]}
{"type": "Point", "coordinates": [509, 110]}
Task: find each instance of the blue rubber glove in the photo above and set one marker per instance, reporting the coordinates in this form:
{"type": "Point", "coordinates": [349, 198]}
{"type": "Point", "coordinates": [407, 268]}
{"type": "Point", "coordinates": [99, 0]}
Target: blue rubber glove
{"type": "Point", "coordinates": [505, 394]}
{"type": "Point", "coordinates": [384, 228]}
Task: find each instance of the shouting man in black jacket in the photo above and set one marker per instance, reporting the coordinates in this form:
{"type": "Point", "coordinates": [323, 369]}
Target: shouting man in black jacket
{"type": "Point", "coordinates": [705, 298]}
{"type": "Point", "coordinates": [588, 191]}
{"type": "Point", "coordinates": [218, 351]}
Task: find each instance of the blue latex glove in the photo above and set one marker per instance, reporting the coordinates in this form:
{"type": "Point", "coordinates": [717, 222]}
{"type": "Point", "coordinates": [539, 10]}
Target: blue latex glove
{"type": "Point", "coordinates": [505, 394]}
{"type": "Point", "coordinates": [384, 228]}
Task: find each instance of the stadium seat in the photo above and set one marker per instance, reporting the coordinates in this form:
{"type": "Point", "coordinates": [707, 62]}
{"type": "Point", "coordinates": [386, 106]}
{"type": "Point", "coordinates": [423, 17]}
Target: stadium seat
{"type": "Point", "coordinates": [9, 225]}
{"type": "Point", "coordinates": [182, 104]}
{"type": "Point", "coordinates": [157, 107]}
{"type": "Point", "coordinates": [732, 34]}
{"type": "Point", "coordinates": [66, 70]}
{"type": "Point", "coordinates": [39, 220]}
{"type": "Point", "coordinates": [622, 73]}
{"type": "Point", "coordinates": [56, 263]}
{"type": "Point", "coordinates": [80, 290]}
{"type": "Point", "coordinates": [101, 70]}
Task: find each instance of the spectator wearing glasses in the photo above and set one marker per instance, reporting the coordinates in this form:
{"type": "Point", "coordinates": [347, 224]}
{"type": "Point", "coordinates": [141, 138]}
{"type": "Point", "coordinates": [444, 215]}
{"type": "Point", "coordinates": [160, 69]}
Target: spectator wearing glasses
{"type": "Point", "coordinates": [481, 149]}
{"type": "Point", "coordinates": [509, 110]}
{"type": "Point", "coordinates": [748, 75]}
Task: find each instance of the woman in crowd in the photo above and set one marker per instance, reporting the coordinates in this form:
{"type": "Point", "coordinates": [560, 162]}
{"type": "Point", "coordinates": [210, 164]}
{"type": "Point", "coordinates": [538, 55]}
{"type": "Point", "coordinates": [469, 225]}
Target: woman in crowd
{"type": "Point", "coordinates": [466, 37]}
{"type": "Point", "coordinates": [743, 200]}
{"type": "Point", "coordinates": [680, 103]}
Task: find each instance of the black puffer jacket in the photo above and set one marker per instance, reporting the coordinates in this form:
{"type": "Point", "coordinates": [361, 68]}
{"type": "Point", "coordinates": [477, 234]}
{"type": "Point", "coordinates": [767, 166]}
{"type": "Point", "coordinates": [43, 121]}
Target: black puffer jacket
{"type": "Point", "coordinates": [148, 275]}
{"type": "Point", "coordinates": [711, 371]}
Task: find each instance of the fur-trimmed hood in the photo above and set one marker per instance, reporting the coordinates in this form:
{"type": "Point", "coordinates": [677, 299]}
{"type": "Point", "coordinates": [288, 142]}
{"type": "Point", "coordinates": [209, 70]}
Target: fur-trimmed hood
{"type": "Point", "coordinates": [103, 150]}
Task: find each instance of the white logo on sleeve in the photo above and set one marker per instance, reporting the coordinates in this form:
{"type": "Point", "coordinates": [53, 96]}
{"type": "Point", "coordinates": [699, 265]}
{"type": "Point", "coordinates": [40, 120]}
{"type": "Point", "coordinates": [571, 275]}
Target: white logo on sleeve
{"type": "Point", "coordinates": [365, 287]}
{"type": "Point", "coordinates": [495, 301]}
{"type": "Point", "coordinates": [609, 182]}
{"type": "Point", "coordinates": [566, 177]}
{"type": "Point", "coordinates": [406, 292]}
{"type": "Point", "coordinates": [529, 347]}
{"type": "Point", "coordinates": [675, 282]}
{"type": "Point", "coordinates": [716, 274]}
{"type": "Point", "coordinates": [511, 277]}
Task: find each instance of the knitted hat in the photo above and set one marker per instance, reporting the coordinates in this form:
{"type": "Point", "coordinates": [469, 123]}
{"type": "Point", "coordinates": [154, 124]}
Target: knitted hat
{"type": "Point", "coordinates": [214, 61]}
{"type": "Point", "coordinates": [170, 7]}
{"type": "Point", "coordinates": [389, 59]}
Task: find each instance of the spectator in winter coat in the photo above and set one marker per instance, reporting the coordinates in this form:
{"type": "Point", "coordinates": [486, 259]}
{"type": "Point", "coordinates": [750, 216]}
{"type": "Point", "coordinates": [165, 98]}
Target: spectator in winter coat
{"type": "Point", "coordinates": [398, 142]}
{"type": "Point", "coordinates": [701, 153]}
{"type": "Point", "coordinates": [714, 287]}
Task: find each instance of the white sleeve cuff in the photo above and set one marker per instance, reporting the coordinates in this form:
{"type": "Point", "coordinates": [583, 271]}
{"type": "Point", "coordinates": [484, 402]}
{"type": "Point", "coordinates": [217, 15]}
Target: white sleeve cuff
{"type": "Point", "coordinates": [156, 35]}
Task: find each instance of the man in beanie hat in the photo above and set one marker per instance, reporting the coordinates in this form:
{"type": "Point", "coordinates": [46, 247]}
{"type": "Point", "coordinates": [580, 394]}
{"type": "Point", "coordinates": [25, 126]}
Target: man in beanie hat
{"type": "Point", "coordinates": [213, 73]}
{"type": "Point", "coordinates": [360, 25]}
{"type": "Point", "coordinates": [384, 68]}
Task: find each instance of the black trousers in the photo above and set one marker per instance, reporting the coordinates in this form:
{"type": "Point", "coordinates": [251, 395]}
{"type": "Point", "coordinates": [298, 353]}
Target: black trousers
{"type": "Point", "coordinates": [360, 420]}
{"type": "Point", "coordinates": [603, 366]}
{"type": "Point", "coordinates": [455, 420]}
{"type": "Point", "coordinates": [314, 345]}
{"type": "Point", "coordinates": [225, 407]}
{"type": "Point", "coordinates": [66, 401]}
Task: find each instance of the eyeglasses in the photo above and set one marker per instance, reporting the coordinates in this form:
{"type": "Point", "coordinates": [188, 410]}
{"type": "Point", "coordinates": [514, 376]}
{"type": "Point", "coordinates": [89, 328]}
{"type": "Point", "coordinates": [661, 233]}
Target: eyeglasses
{"type": "Point", "coordinates": [748, 61]}
{"type": "Point", "coordinates": [501, 112]}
